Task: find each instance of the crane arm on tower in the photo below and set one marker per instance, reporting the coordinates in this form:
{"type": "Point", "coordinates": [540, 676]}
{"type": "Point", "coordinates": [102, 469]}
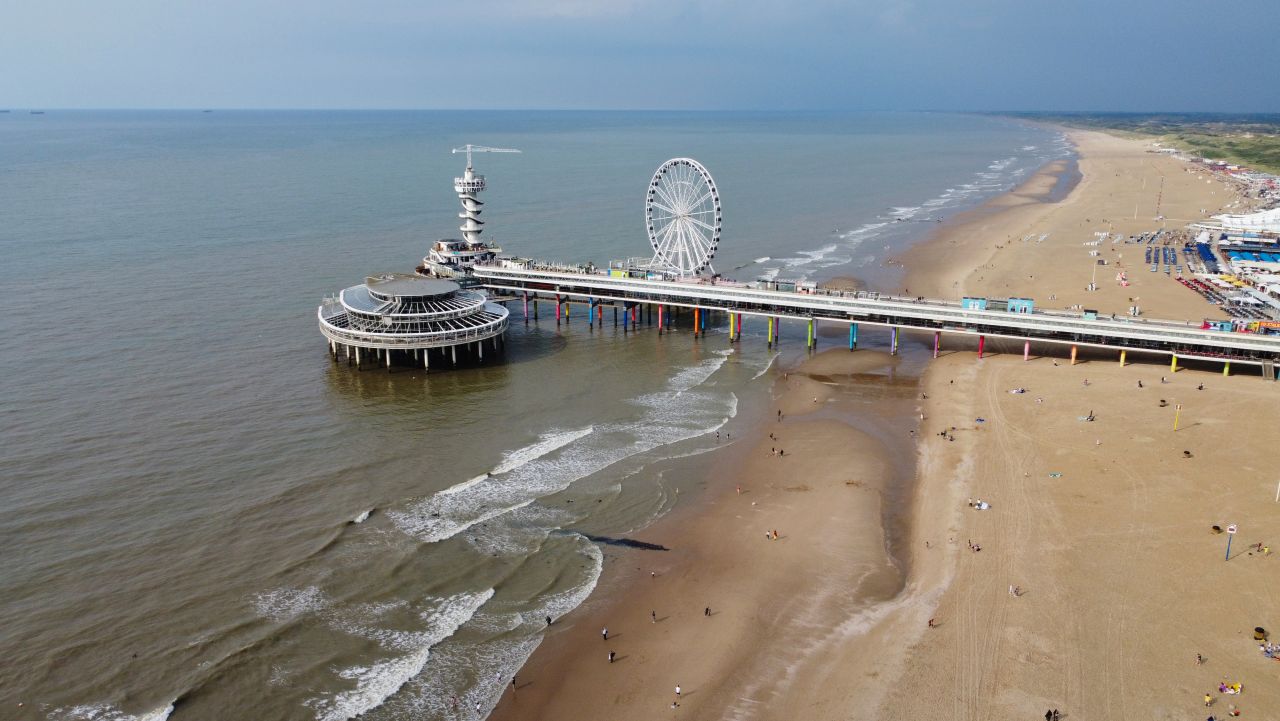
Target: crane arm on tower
{"type": "Point", "coordinates": [469, 149]}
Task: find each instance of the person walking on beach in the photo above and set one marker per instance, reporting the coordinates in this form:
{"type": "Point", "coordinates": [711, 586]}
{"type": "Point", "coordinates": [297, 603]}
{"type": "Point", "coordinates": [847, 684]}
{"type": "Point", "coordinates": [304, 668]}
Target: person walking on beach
{"type": "Point", "coordinates": [1048, 715]}
{"type": "Point", "coordinates": [653, 615]}
{"type": "Point", "coordinates": [611, 657]}
{"type": "Point", "coordinates": [706, 611]}
{"type": "Point", "coordinates": [548, 620]}
{"type": "Point", "coordinates": [677, 690]}
{"type": "Point", "coordinates": [604, 633]}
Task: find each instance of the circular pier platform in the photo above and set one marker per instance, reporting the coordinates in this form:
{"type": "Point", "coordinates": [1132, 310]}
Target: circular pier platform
{"type": "Point", "coordinates": [401, 319]}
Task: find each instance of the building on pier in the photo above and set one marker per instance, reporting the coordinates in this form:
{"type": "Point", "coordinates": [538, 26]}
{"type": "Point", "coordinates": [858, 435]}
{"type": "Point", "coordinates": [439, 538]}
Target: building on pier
{"type": "Point", "coordinates": [401, 319]}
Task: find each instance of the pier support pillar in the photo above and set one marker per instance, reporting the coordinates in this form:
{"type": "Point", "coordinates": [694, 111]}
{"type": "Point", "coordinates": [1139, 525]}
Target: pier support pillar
{"type": "Point", "coordinates": [733, 327]}
{"type": "Point", "coordinates": [1026, 350]}
{"type": "Point", "coordinates": [558, 310]}
{"type": "Point", "coordinates": [739, 326]}
{"type": "Point", "coordinates": [535, 307]}
{"type": "Point", "coordinates": [357, 356]}
{"type": "Point", "coordinates": [1074, 351]}
{"type": "Point", "coordinates": [480, 349]}
{"type": "Point", "coordinates": [697, 318]}
{"type": "Point", "coordinates": [893, 341]}
{"type": "Point", "coordinates": [1226, 368]}
{"type": "Point", "coordinates": [526, 306]}
{"type": "Point", "coordinates": [649, 313]}
{"type": "Point", "coordinates": [626, 317]}
{"type": "Point", "coordinates": [937, 342]}
{"type": "Point", "coordinates": [853, 336]}
{"type": "Point", "coordinates": [1173, 363]}
{"type": "Point", "coordinates": [703, 328]}
{"type": "Point", "coordinates": [982, 345]}
{"type": "Point", "coordinates": [426, 358]}
{"type": "Point", "coordinates": [1122, 357]}
{"type": "Point", "coordinates": [387, 352]}
{"type": "Point", "coordinates": [809, 340]}
{"type": "Point", "coordinates": [454, 348]}
{"type": "Point", "coordinates": [769, 336]}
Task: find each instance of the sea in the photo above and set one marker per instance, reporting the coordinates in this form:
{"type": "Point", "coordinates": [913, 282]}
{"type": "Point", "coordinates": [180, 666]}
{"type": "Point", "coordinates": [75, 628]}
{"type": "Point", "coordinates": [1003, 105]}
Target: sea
{"type": "Point", "coordinates": [206, 517]}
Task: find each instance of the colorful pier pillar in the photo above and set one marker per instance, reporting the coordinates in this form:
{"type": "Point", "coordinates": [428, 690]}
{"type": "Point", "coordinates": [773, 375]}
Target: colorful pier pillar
{"type": "Point", "coordinates": [853, 335]}
{"type": "Point", "coordinates": [1026, 350]}
{"type": "Point", "coordinates": [809, 340]}
{"type": "Point", "coordinates": [526, 305]}
{"type": "Point", "coordinates": [659, 320]}
{"type": "Point", "coordinates": [559, 312]}
{"type": "Point", "coordinates": [697, 321]}
{"type": "Point", "coordinates": [1073, 355]}
{"type": "Point", "coordinates": [937, 342]}
{"type": "Point", "coordinates": [732, 318]}
{"type": "Point", "coordinates": [1226, 368]}
{"type": "Point", "coordinates": [1173, 363]}
{"type": "Point", "coordinates": [1122, 357]}
{"type": "Point", "coordinates": [769, 337]}
{"type": "Point", "coordinates": [893, 341]}
{"type": "Point", "coordinates": [739, 326]}
{"type": "Point", "coordinates": [626, 315]}
{"type": "Point", "coordinates": [982, 345]}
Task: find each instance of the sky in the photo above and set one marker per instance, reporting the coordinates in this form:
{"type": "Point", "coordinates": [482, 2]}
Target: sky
{"type": "Point", "coordinates": [1091, 55]}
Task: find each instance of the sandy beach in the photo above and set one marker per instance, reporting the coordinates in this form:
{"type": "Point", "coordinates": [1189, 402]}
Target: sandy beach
{"type": "Point", "coordinates": [1098, 514]}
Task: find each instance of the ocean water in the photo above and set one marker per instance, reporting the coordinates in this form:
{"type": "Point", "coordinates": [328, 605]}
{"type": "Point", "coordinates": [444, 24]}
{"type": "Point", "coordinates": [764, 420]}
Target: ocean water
{"type": "Point", "coordinates": [206, 518]}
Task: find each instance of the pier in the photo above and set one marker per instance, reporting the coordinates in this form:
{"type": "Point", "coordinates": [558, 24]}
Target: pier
{"type": "Point", "coordinates": [637, 297]}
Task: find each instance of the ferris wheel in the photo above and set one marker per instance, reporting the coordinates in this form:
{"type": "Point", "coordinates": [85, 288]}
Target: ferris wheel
{"type": "Point", "coordinates": [682, 213]}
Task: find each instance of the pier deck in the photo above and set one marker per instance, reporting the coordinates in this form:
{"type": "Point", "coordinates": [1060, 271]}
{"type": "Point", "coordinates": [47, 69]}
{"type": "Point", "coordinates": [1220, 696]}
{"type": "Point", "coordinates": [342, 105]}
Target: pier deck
{"type": "Point", "coordinates": [1177, 339]}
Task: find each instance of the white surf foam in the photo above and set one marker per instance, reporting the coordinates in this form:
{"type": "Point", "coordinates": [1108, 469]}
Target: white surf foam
{"type": "Point", "coordinates": [107, 712]}
{"type": "Point", "coordinates": [762, 259]}
{"type": "Point", "coordinates": [377, 681]}
{"type": "Point", "coordinates": [669, 416]}
{"type": "Point", "coordinates": [284, 604]}
{"type": "Point", "coordinates": [546, 443]}
{"type": "Point", "coordinates": [364, 516]}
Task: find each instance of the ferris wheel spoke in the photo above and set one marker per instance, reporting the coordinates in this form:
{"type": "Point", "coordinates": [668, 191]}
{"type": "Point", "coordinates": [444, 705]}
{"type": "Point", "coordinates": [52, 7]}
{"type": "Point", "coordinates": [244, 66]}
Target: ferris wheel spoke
{"type": "Point", "coordinates": [701, 224]}
{"type": "Point", "coordinates": [665, 196]}
{"type": "Point", "coordinates": [656, 204]}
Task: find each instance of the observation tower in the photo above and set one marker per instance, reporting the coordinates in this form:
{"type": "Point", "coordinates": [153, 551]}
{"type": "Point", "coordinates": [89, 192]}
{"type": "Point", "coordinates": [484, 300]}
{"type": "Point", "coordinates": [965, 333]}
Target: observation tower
{"type": "Point", "coordinates": [402, 319]}
{"type": "Point", "coordinates": [452, 258]}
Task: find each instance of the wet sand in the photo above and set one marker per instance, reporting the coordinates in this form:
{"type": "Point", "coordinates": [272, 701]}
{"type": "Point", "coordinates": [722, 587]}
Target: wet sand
{"type": "Point", "coordinates": [775, 605]}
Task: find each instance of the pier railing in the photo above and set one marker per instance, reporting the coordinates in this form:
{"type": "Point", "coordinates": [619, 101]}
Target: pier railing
{"type": "Point", "coordinates": [1056, 326]}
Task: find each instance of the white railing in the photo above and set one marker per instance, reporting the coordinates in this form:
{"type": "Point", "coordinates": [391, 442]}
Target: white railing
{"type": "Point", "coordinates": [931, 311]}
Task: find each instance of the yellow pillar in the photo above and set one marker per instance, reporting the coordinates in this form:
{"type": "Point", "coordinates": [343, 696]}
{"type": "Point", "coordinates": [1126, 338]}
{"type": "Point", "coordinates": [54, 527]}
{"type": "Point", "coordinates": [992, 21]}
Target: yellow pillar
{"type": "Point", "coordinates": [1122, 358]}
{"type": "Point", "coordinates": [1073, 355]}
{"type": "Point", "coordinates": [1226, 368]}
{"type": "Point", "coordinates": [1173, 363]}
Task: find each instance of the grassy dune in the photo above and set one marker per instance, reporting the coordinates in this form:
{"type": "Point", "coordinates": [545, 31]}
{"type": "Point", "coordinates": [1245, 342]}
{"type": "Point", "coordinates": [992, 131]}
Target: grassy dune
{"type": "Point", "coordinates": [1251, 140]}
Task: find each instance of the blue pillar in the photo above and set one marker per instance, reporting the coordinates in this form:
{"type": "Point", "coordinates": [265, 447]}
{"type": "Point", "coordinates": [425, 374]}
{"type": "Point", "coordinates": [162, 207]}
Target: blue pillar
{"type": "Point", "coordinates": [893, 342]}
{"type": "Point", "coordinates": [853, 335]}
{"type": "Point", "coordinates": [626, 314]}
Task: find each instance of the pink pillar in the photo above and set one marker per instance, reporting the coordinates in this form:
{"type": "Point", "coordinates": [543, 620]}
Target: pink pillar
{"type": "Point", "coordinates": [937, 342]}
{"type": "Point", "coordinates": [982, 345]}
{"type": "Point", "coordinates": [1026, 350]}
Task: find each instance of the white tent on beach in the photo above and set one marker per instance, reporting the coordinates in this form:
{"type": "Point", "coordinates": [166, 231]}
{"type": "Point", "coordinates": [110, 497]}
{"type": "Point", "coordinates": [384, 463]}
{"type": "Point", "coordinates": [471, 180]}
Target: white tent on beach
{"type": "Point", "coordinates": [1265, 221]}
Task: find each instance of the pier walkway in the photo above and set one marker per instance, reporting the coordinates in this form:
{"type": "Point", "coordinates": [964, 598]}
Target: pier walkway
{"type": "Point", "coordinates": [1175, 339]}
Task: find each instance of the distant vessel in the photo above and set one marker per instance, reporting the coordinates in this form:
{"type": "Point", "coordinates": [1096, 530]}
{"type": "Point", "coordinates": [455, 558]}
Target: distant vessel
{"type": "Point", "coordinates": [453, 258]}
{"type": "Point", "coordinates": [37, 112]}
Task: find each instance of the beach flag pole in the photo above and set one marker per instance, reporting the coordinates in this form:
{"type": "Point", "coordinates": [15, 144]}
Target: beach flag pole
{"type": "Point", "coordinates": [1231, 532]}
{"type": "Point", "coordinates": [1177, 411]}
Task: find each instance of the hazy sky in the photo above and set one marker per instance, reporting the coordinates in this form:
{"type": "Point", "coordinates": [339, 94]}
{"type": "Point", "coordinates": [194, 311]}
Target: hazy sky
{"type": "Point", "coordinates": [715, 54]}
